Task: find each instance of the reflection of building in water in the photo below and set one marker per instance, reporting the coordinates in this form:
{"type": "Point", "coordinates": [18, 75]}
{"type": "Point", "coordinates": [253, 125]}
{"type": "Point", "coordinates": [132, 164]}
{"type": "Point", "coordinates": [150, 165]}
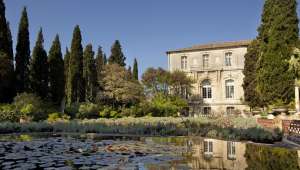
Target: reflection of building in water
{"type": "Point", "coordinates": [217, 154]}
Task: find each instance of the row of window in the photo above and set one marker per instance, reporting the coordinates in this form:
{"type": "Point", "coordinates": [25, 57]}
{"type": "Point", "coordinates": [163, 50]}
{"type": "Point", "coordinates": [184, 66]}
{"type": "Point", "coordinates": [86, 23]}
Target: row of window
{"type": "Point", "coordinates": [207, 110]}
{"type": "Point", "coordinates": [205, 60]}
{"type": "Point", "coordinates": [207, 89]}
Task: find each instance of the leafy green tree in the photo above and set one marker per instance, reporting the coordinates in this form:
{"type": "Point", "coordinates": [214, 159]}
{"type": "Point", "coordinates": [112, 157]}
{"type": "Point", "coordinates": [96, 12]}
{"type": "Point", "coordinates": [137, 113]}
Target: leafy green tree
{"type": "Point", "coordinates": [89, 73]}
{"type": "Point", "coordinates": [66, 71]}
{"type": "Point", "coordinates": [75, 75]}
{"type": "Point", "coordinates": [294, 63]}
{"type": "Point", "coordinates": [156, 81]}
{"type": "Point", "coordinates": [251, 96]}
{"type": "Point", "coordinates": [6, 59]}
{"type": "Point", "coordinates": [23, 55]}
{"type": "Point", "coordinates": [135, 71]}
{"type": "Point", "coordinates": [119, 88]}
{"type": "Point", "coordinates": [180, 84]}
{"type": "Point", "coordinates": [117, 56]}
{"type": "Point", "coordinates": [56, 72]}
{"type": "Point", "coordinates": [39, 68]}
{"type": "Point", "coordinates": [278, 35]}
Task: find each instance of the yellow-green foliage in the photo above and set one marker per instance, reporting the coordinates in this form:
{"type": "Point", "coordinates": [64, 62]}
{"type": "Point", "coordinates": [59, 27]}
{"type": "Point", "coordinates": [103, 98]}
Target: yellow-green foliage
{"type": "Point", "coordinates": [8, 113]}
{"type": "Point", "coordinates": [55, 117]}
{"type": "Point", "coordinates": [88, 111]}
{"type": "Point", "coordinates": [26, 138]}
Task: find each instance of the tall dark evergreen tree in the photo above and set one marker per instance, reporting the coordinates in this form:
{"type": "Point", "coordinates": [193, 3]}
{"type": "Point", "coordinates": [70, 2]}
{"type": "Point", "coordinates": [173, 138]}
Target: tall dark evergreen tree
{"type": "Point", "coordinates": [100, 63]}
{"type": "Point", "coordinates": [22, 55]}
{"type": "Point", "coordinates": [278, 35]}
{"type": "Point", "coordinates": [56, 72]}
{"type": "Point", "coordinates": [117, 56]}
{"type": "Point", "coordinates": [39, 68]}
{"type": "Point", "coordinates": [89, 73]}
{"type": "Point", "coordinates": [129, 70]}
{"type": "Point", "coordinates": [75, 75]}
{"type": "Point", "coordinates": [10, 42]}
{"type": "Point", "coordinates": [66, 70]}
{"type": "Point", "coordinates": [6, 59]}
{"type": "Point", "coordinates": [252, 98]}
{"type": "Point", "coordinates": [135, 70]}
{"type": "Point", "coordinates": [104, 59]}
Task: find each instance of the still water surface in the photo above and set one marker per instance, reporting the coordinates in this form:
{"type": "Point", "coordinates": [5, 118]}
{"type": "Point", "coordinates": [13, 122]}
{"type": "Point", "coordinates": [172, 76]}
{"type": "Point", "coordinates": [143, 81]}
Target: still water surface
{"type": "Point", "coordinates": [176, 153]}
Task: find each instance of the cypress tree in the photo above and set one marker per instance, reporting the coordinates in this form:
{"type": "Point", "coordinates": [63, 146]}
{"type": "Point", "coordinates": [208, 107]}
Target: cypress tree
{"type": "Point", "coordinates": [104, 59]}
{"type": "Point", "coordinates": [100, 63]}
{"type": "Point", "coordinates": [252, 98]}
{"type": "Point", "coordinates": [10, 42]}
{"type": "Point", "coordinates": [89, 73]}
{"type": "Point", "coordinates": [56, 72]}
{"type": "Point", "coordinates": [4, 43]}
{"type": "Point", "coordinates": [75, 75]}
{"type": "Point", "coordinates": [278, 35]}
{"type": "Point", "coordinates": [117, 56]}
{"type": "Point", "coordinates": [39, 68]}
{"type": "Point", "coordinates": [66, 70]}
{"type": "Point", "coordinates": [135, 71]}
{"type": "Point", "coordinates": [12, 86]}
{"type": "Point", "coordinates": [130, 77]}
{"type": "Point", "coordinates": [22, 55]}
{"type": "Point", "coordinates": [6, 59]}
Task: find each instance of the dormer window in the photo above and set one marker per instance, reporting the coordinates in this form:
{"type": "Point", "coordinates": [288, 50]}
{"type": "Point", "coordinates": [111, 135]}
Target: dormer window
{"type": "Point", "coordinates": [205, 60]}
{"type": "Point", "coordinates": [183, 62]}
{"type": "Point", "coordinates": [228, 58]}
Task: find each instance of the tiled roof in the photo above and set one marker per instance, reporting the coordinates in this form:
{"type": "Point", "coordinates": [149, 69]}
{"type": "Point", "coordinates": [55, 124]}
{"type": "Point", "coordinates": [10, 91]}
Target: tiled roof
{"type": "Point", "coordinates": [232, 44]}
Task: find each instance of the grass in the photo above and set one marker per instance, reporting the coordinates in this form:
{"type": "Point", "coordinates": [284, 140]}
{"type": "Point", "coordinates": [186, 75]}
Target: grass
{"type": "Point", "coordinates": [222, 128]}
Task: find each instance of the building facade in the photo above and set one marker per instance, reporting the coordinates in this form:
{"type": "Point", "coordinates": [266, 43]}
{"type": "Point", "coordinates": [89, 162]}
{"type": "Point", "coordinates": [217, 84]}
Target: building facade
{"type": "Point", "coordinates": [217, 70]}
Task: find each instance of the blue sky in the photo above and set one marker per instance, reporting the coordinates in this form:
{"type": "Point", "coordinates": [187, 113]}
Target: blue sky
{"type": "Point", "coordinates": [145, 28]}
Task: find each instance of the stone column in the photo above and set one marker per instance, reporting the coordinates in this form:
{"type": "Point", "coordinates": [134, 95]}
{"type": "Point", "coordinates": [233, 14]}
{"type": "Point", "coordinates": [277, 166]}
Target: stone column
{"type": "Point", "coordinates": [297, 99]}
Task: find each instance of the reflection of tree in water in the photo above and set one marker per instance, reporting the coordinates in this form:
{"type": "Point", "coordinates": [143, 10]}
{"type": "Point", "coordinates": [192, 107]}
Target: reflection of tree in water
{"type": "Point", "coordinates": [270, 158]}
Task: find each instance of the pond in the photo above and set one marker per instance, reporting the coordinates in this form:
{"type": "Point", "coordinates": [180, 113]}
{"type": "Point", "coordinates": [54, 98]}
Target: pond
{"type": "Point", "coordinates": [91, 151]}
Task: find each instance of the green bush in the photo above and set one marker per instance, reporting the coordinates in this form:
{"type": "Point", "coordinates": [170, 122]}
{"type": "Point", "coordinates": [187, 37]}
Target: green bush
{"type": "Point", "coordinates": [88, 111]}
{"type": "Point", "coordinates": [8, 113]}
{"type": "Point", "coordinates": [162, 105]}
{"type": "Point", "coordinates": [30, 106]}
{"type": "Point", "coordinates": [110, 112]}
{"type": "Point", "coordinates": [72, 110]}
{"type": "Point", "coordinates": [55, 117]}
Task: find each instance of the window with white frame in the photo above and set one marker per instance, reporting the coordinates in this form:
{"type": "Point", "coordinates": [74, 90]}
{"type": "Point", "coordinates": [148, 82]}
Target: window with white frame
{"type": "Point", "coordinates": [205, 60]}
{"type": "Point", "coordinates": [228, 58]}
{"type": "Point", "coordinates": [208, 147]}
{"type": "Point", "coordinates": [206, 89]}
{"type": "Point", "coordinates": [231, 150]}
{"type": "Point", "coordinates": [229, 88]}
{"type": "Point", "coordinates": [184, 62]}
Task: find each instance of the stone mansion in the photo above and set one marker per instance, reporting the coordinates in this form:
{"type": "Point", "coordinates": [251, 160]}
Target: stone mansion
{"type": "Point", "coordinates": [217, 70]}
